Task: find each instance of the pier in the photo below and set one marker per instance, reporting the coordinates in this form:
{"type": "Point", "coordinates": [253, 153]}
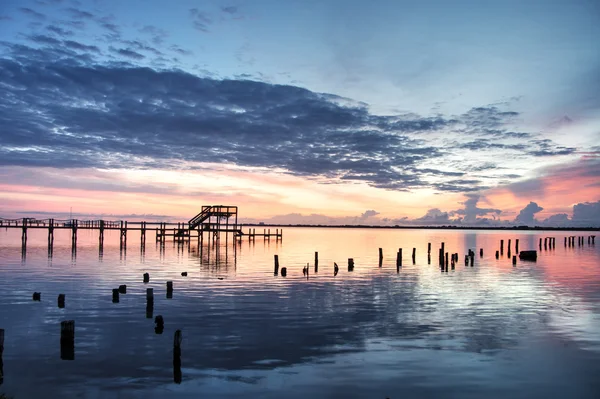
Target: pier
{"type": "Point", "coordinates": [211, 223]}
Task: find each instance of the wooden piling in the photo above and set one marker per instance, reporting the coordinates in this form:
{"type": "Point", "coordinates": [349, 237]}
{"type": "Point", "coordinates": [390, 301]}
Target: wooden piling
{"type": "Point", "coordinates": [146, 278]}
{"type": "Point", "coordinates": [159, 324]}
{"type": "Point", "coordinates": [414, 254]}
{"type": "Point", "coordinates": [37, 296]}
{"type": "Point", "coordinates": [380, 257]}
{"type": "Point", "coordinates": [115, 295]}
{"type": "Point", "coordinates": [399, 258]}
{"type": "Point", "coordinates": [177, 356]}
{"type": "Point", "coordinates": [350, 264]}
{"type": "Point", "coordinates": [466, 260]}
{"type": "Point", "coordinates": [67, 340]}
{"type": "Point", "coordinates": [184, 274]}
{"type": "Point", "coordinates": [276, 260]}
{"type": "Point", "coordinates": [316, 262]}
{"type": "Point", "coordinates": [61, 300]}
{"type": "Point", "coordinates": [150, 294]}
{"type": "Point", "coordinates": [428, 248]}
{"type": "Point", "coordinates": [501, 246]}
{"type": "Point", "coordinates": [446, 260]}
{"type": "Point", "coordinates": [481, 252]}
{"type": "Point", "coordinates": [497, 254]}
{"type": "Point", "coordinates": [283, 271]}
{"type": "Point", "coordinates": [517, 245]}
{"type": "Point", "coordinates": [514, 260]}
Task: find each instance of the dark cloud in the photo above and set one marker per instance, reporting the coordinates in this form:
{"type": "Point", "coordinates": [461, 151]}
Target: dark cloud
{"type": "Point", "coordinates": [43, 39]}
{"type": "Point", "coordinates": [32, 13]}
{"type": "Point", "coordinates": [59, 31]}
{"type": "Point", "coordinates": [200, 20]}
{"type": "Point", "coordinates": [125, 52]}
{"type": "Point", "coordinates": [526, 216]}
{"type": "Point", "coordinates": [528, 188]}
{"type": "Point", "coordinates": [80, 46]}
{"type": "Point", "coordinates": [79, 14]}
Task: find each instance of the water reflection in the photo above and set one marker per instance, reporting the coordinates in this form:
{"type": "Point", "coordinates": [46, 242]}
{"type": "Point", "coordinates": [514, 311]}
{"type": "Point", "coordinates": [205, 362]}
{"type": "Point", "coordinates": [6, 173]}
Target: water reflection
{"type": "Point", "coordinates": [245, 325]}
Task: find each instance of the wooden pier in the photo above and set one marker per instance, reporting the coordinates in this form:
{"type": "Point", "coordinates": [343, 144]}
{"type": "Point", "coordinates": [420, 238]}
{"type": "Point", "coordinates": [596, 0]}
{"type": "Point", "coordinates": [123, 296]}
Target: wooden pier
{"type": "Point", "coordinates": [212, 221]}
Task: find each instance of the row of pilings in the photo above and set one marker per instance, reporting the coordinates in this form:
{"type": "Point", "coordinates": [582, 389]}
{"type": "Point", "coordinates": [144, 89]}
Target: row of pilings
{"type": "Point", "coordinates": [448, 261]}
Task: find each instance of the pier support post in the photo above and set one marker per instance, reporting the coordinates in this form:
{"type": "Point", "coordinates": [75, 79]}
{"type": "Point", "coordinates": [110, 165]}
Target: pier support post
{"type": "Point", "coordinates": [380, 257]}
{"type": "Point", "coordinates": [276, 260]}
{"type": "Point", "coordinates": [481, 252]}
{"type": "Point", "coordinates": [517, 246]}
{"type": "Point", "coordinates": [428, 248]}
{"type": "Point", "coordinates": [350, 264]}
{"type": "Point", "coordinates": [501, 246]}
{"type": "Point", "coordinates": [316, 262]}
{"type": "Point", "coordinates": [414, 255]}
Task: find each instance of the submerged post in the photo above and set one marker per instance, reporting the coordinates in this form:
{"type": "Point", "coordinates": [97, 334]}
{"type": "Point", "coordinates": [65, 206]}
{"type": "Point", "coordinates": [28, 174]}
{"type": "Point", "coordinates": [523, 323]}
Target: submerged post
{"type": "Point", "coordinates": [428, 248]}
{"type": "Point", "coordinates": [283, 271]}
{"type": "Point", "coordinates": [414, 254]}
{"type": "Point", "coordinates": [276, 260]}
{"type": "Point", "coordinates": [146, 278]}
{"type": "Point", "coordinates": [517, 245]}
{"type": "Point", "coordinates": [380, 257]}
{"type": "Point", "coordinates": [501, 246]}
{"type": "Point", "coordinates": [115, 295]}
{"type": "Point", "coordinates": [480, 252]}
{"type": "Point", "coordinates": [350, 264]}
{"type": "Point", "coordinates": [67, 340]}
{"type": "Point", "coordinates": [514, 260]}
{"type": "Point", "coordinates": [316, 261]}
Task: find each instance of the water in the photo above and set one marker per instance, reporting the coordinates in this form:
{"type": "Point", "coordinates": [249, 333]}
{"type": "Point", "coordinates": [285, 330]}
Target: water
{"type": "Point", "coordinates": [493, 330]}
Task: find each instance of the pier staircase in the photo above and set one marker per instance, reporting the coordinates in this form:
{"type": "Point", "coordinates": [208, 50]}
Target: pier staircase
{"type": "Point", "coordinates": [215, 218]}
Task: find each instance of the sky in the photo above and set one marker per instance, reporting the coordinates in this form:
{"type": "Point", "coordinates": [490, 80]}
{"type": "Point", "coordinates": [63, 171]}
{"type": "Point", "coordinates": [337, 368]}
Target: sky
{"type": "Point", "coordinates": [321, 112]}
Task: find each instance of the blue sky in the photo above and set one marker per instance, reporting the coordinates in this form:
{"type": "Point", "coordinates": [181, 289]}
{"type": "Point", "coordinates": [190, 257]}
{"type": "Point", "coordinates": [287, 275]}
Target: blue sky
{"type": "Point", "coordinates": [509, 87]}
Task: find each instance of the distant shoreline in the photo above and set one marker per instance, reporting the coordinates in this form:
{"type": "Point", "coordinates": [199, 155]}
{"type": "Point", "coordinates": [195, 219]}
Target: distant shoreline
{"type": "Point", "coordinates": [354, 226]}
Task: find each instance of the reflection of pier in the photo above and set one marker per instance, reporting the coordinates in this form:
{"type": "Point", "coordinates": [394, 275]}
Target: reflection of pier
{"type": "Point", "coordinates": [212, 221]}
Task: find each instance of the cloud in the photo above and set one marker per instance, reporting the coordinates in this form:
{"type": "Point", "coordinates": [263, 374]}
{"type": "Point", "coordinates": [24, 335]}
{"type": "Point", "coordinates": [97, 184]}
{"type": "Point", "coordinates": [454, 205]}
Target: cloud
{"type": "Point", "coordinates": [369, 214]}
{"type": "Point", "coordinates": [43, 39]}
{"type": "Point", "coordinates": [61, 105]}
{"type": "Point", "coordinates": [557, 220]}
{"type": "Point", "coordinates": [586, 214]}
{"type": "Point", "coordinates": [471, 211]}
{"type": "Point", "coordinates": [200, 20]}
{"type": "Point", "coordinates": [32, 13]}
{"type": "Point", "coordinates": [59, 31]}
{"type": "Point", "coordinates": [157, 35]}
{"type": "Point", "coordinates": [79, 14]}
{"type": "Point", "coordinates": [229, 9]}
{"type": "Point", "coordinates": [179, 50]}
{"type": "Point", "coordinates": [125, 52]}
{"type": "Point", "coordinates": [5, 18]}
{"type": "Point", "coordinates": [434, 217]}
{"type": "Point", "coordinates": [526, 216]}
{"type": "Point", "coordinates": [80, 46]}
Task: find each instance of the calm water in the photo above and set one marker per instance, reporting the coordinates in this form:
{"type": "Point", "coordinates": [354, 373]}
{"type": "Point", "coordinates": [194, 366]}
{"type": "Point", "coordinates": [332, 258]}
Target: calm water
{"type": "Point", "coordinates": [492, 330]}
